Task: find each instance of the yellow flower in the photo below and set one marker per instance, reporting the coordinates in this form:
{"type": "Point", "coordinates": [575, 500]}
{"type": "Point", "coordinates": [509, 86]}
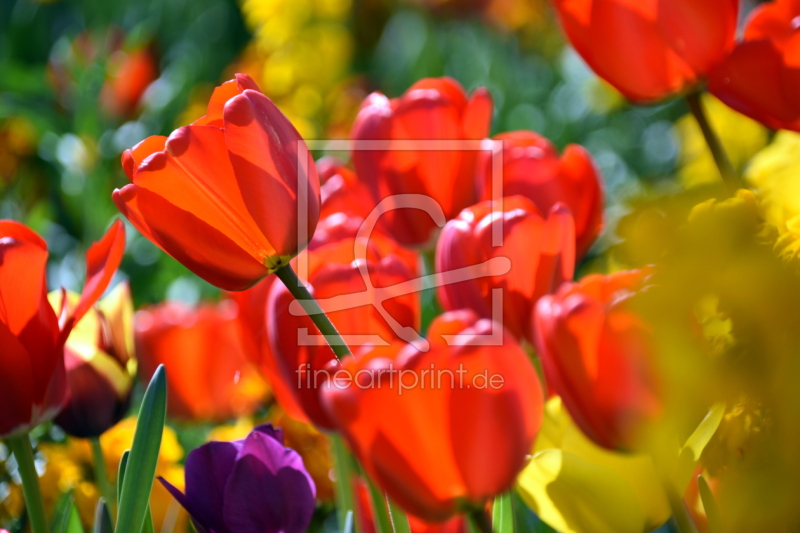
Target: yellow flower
{"type": "Point", "coordinates": [577, 487]}
{"type": "Point", "coordinates": [742, 138]}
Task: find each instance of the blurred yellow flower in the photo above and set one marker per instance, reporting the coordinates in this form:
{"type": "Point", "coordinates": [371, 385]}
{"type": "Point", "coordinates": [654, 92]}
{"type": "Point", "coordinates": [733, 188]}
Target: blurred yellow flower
{"type": "Point", "coordinates": [742, 138]}
{"type": "Point", "coordinates": [578, 487]}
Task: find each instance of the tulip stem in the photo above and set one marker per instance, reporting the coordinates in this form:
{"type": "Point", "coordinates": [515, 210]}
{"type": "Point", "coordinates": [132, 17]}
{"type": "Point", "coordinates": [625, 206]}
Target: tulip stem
{"type": "Point", "coordinates": [314, 311]}
{"type": "Point", "coordinates": [683, 521]}
{"type": "Point", "coordinates": [726, 169]}
{"type": "Point", "coordinates": [101, 475]}
{"type": "Point", "coordinates": [20, 446]}
{"type": "Point", "coordinates": [480, 520]}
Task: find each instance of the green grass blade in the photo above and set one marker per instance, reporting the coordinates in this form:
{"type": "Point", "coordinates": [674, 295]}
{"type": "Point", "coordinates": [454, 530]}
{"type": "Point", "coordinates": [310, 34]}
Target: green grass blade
{"type": "Point", "coordinates": [102, 518]}
{"type": "Point", "coordinates": [380, 513]}
{"type": "Point", "coordinates": [503, 514]}
{"type": "Point", "coordinates": [343, 467]}
{"type": "Point", "coordinates": [141, 468]}
{"type": "Point", "coordinates": [399, 519]}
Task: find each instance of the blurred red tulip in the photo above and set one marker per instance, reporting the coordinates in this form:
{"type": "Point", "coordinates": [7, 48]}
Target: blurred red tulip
{"type": "Point", "coordinates": [129, 75]}
{"type": "Point", "coordinates": [597, 355]}
{"type": "Point", "coordinates": [202, 349]}
{"type": "Point", "coordinates": [541, 254]}
{"type": "Point", "coordinates": [297, 364]}
{"type": "Point", "coordinates": [650, 49]}
{"type": "Point", "coordinates": [432, 109]}
{"type": "Point", "coordinates": [100, 365]}
{"type": "Point", "coordinates": [445, 429]}
{"type": "Point", "coordinates": [533, 168]}
{"type": "Point", "coordinates": [33, 383]}
{"type": "Point", "coordinates": [221, 195]}
{"type": "Point", "coordinates": [342, 191]}
{"type": "Point", "coordinates": [761, 77]}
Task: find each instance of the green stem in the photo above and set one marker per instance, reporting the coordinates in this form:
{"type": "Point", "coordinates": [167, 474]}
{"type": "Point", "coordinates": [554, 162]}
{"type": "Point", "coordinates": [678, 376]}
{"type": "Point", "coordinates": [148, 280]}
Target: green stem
{"type": "Point", "coordinates": [726, 169]}
{"type": "Point", "coordinates": [480, 519]}
{"type": "Point", "coordinates": [101, 475]}
{"type": "Point", "coordinates": [315, 312]}
{"type": "Point", "coordinates": [21, 448]}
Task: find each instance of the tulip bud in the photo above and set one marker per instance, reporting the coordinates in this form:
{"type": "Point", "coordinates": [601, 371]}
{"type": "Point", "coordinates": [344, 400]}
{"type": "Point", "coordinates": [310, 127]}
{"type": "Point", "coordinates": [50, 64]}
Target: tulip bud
{"type": "Point", "coordinates": [532, 168]}
{"type": "Point", "coordinates": [253, 485]}
{"type": "Point", "coordinates": [442, 430]}
{"type": "Point", "coordinates": [597, 354]}
{"type": "Point", "coordinates": [650, 49]}
{"type": "Point", "coordinates": [540, 255]}
{"type": "Point", "coordinates": [432, 109]}
{"type": "Point", "coordinates": [100, 365]}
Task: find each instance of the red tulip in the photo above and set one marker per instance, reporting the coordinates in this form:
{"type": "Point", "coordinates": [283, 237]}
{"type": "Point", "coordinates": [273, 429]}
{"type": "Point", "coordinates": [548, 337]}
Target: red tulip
{"type": "Point", "coordinates": [432, 109]}
{"type": "Point", "coordinates": [597, 355]}
{"type": "Point", "coordinates": [298, 364]}
{"type": "Point", "coordinates": [129, 76]}
{"type": "Point", "coordinates": [202, 348]}
{"type": "Point", "coordinates": [541, 254]}
{"type": "Point", "coordinates": [341, 190]}
{"type": "Point", "coordinates": [533, 168]}
{"type": "Point", "coordinates": [33, 382]}
{"type": "Point", "coordinates": [221, 195]}
{"type": "Point", "coordinates": [441, 430]}
{"type": "Point", "coordinates": [100, 365]}
{"type": "Point", "coordinates": [650, 49]}
{"type": "Point", "coordinates": [761, 77]}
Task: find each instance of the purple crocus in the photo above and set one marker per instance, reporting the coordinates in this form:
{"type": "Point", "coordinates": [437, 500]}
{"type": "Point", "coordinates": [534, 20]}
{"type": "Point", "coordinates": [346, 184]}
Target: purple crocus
{"type": "Point", "coordinates": [253, 485]}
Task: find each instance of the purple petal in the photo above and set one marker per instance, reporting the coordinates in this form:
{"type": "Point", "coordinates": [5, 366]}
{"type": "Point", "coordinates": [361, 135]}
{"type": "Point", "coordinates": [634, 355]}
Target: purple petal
{"type": "Point", "coordinates": [269, 490]}
{"type": "Point", "coordinates": [181, 499]}
{"type": "Point", "coordinates": [271, 431]}
{"type": "Point", "coordinates": [207, 470]}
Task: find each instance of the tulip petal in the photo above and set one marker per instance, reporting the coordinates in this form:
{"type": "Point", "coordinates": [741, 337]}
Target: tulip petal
{"type": "Point", "coordinates": [205, 250]}
{"type": "Point", "coordinates": [131, 159]}
{"type": "Point", "coordinates": [184, 502]}
{"type": "Point", "coordinates": [207, 471]}
{"type": "Point", "coordinates": [220, 97]}
{"type": "Point", "coordinates": [102, 260]}
{"type": "Point", "coordinates": [16, 382]}
{"type": "Point", "coordinates": [23, 257]}
{"type": "Point", "coordinates": [477, 119]}
{"type": "Point", "coordinates": [268, 489]}
{"type": "Point", "coordinates": [264, 149]}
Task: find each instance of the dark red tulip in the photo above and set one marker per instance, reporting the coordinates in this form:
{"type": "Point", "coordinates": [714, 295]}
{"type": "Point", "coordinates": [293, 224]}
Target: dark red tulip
{"type": "Point", "coordinates": [33, 383]}
{"type": "Point", "coordinates": [761, 77]}
{"type": "Point", "coordinates": [540, 253]}
{"type": "Point", "coordinates": [221, 195]}
{"type": "Point", "coordinates": [100, 365]}
{"type": "Point", "coordinates": [532, 168]}
{"type": "Point", "coordinates": [458, 431]}
{"type": "Point", "coordinates": [650, 49]}
{"type": "Point", "coordinates": [203, 385]}
{"type": "Point", "coordinates": [253, 485]}
{"type": "Point", "coordinates": [435, 109]}
{"type": "Point", "coordinates": [297, 364]}
{"type": "Point", "coordinates": [597, 355]}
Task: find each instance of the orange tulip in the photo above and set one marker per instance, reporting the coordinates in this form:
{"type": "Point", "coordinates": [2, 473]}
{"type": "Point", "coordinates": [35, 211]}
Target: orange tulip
{"type": "Point", "coordinates": [650, 49]}
{"type": "Point", "coordinates": [298, 365]}
{"type": "Point", "coordinates": [221, 195]}
{"type": "Point", "coordinates": [202, 349]}
{"type": "Point", "coordinates": [597, 355]}
{"type": "Point", "coordinates": [33, 381]}
{"type": "Point", "coordinates": [533, 168]}
{"type": "Point", "coordinates": [341, 190]}
{"type": "Point", "coordinates": [761, 77]}
{"type": "Point", "coordinates": [541, 253]}
{"type": "Point", "coordinates": [443, 430]}
{"type": "Point", "coordinates": [129, 75]}
{"type": "Point", "coordinates": [431, 109]}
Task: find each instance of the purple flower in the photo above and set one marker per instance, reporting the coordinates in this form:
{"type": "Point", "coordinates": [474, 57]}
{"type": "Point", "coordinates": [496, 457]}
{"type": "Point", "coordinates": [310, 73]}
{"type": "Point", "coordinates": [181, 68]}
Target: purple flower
{"type": "Point", "coordinates": [254, 485]}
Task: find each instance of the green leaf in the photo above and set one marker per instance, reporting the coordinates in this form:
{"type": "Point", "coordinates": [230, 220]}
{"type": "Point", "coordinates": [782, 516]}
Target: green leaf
{"type": "Point", "coordinates": [123, 464]}
{"type": "Point", "coordinates": [503, 514]}
{"type": "Point", "coordinates": [141, 468]}
{"type": "Point", "coordinates": [67, 519]}
{"type": "Point", "coordinates": [343, 467]}
{"type": "Point", "coordinates": [148, 522]}
{"type": "Point", "coordinates": [102, 518]}
{"type": "Point", "coordinates": [715, 524]}
{"type": "Point", "coordinates": [399, 518]}
{"type": "Point", "coordinates": [380, 513]}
